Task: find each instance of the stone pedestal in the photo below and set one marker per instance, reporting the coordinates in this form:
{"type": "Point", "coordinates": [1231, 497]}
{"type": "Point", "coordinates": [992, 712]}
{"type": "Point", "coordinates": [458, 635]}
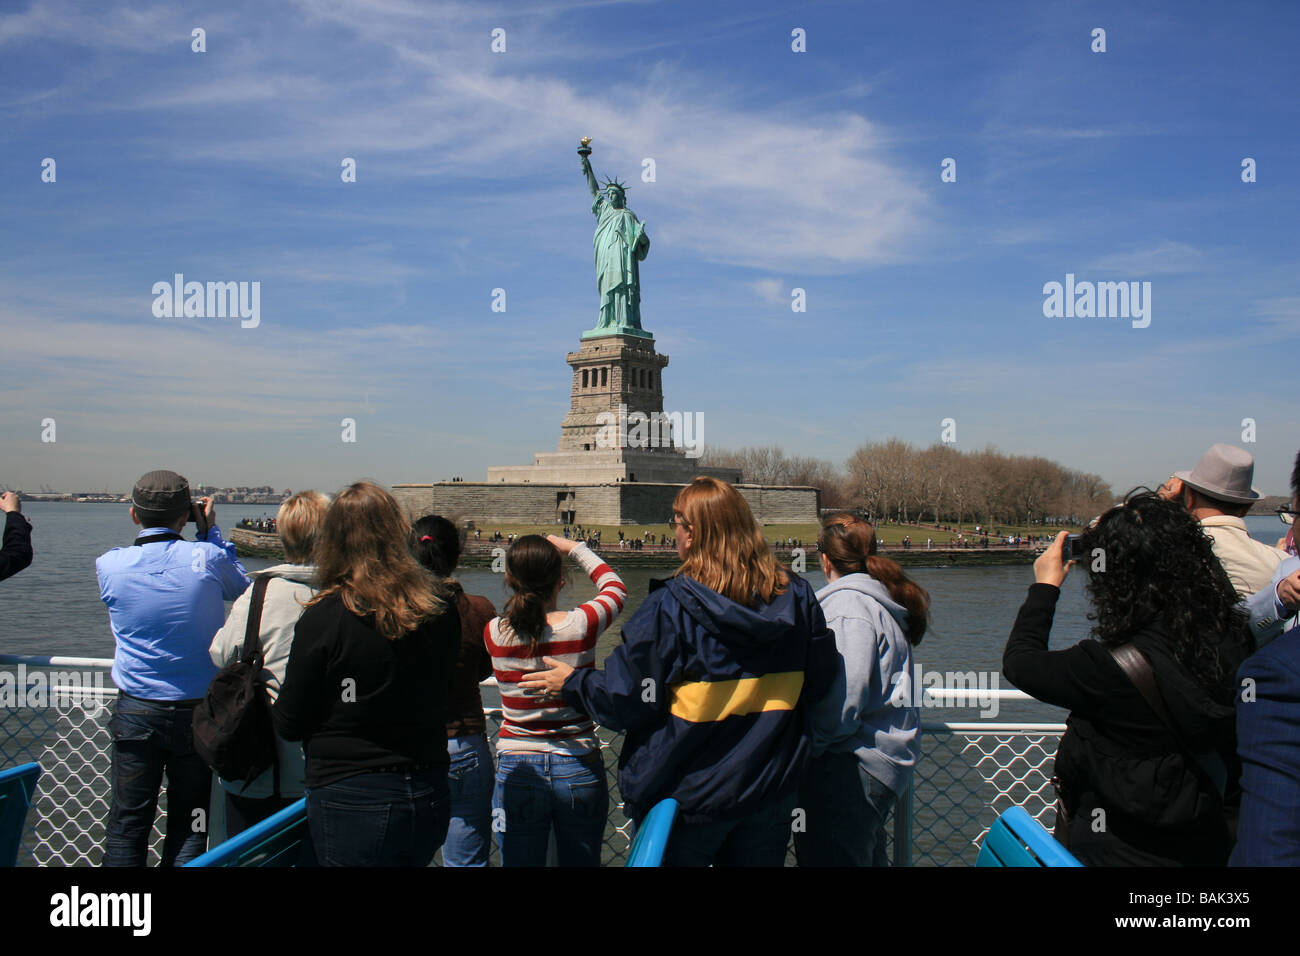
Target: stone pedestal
{"type": "Point", "coordinates": [610, 371]}
{"type": "Point", "coordinates": [616, 378]}
{"type": "Point", "coordinates": [604, 472]}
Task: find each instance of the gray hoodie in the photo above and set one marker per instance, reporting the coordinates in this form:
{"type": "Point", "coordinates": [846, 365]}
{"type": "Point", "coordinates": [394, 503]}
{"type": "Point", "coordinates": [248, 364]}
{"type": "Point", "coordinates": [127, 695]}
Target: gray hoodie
{"type": "Point", "coordinates": [865, 710]}
{"type": "Point", "coordinates": [281, 608]}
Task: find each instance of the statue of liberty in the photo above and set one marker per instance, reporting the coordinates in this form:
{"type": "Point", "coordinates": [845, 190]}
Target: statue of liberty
{"type": "Point", "coordinates": [620, 243]}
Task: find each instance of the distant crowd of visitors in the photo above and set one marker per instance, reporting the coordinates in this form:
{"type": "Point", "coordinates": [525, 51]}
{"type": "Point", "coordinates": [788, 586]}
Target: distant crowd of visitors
{"type": "Point", "coordinates": [648, 539]}
{"type": "Point", "coordinates": [743, 695]}
{"type": "Point", "coordinates": [257, 524]}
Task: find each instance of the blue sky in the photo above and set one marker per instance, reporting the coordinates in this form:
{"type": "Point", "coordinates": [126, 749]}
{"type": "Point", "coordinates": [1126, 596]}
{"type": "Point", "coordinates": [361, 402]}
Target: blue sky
{"type": "Point", "coordinates": [775, 170]}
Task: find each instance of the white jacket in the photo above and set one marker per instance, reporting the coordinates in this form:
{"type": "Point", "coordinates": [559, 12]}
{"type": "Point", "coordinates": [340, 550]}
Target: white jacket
{"type": "Point", "coordinates": [1250, 564]}
{"type": "Point", "coordinates": [289, 589]}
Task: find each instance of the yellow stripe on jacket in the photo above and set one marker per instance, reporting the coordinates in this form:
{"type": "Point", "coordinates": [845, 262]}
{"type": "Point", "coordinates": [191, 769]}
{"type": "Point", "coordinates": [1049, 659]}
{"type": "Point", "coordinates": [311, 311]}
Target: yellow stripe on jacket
{"type": "Point", "coordinates": [703, 701]}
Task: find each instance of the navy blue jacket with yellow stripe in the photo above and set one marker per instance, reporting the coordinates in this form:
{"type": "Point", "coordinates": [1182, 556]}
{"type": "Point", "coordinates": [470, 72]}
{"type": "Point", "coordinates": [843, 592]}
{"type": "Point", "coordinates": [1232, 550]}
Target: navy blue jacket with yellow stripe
{"type": "Point", "coordinates": [712, 697]}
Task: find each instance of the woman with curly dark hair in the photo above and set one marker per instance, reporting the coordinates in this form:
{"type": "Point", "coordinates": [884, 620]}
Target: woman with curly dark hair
{"type": "Point", "coordinates": [1149, 750]}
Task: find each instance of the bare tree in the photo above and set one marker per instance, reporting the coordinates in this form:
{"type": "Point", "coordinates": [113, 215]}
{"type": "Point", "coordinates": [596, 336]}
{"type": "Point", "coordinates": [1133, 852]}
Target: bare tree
{"type": "Point", "coordinates": [867, 479]}
{"type": "Point", "coordinates": [768, 465]}
{"type": "Point", "coordinates": [937, 468]}
{"type": "Point", "coordinates": [893, 479]}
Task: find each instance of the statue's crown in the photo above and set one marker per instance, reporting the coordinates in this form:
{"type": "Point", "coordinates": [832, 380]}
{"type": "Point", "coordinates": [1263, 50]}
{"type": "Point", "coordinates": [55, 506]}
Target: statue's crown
{"type": "Point", "coordinates": [614, 182]}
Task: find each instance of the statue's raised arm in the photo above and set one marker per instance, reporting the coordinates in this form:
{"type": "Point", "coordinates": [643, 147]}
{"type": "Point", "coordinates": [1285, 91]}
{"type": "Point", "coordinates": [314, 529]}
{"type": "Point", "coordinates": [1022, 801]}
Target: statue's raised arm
{"type": "Point", "coordinates": [585, 152]}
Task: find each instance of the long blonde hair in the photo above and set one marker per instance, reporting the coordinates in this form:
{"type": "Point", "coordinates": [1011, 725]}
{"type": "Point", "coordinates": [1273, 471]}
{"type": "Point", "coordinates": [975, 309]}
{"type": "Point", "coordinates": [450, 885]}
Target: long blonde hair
{"type": "Point", "coordinates": [363, 555]}
{"type": "Point", "coordinates": [728, 552]}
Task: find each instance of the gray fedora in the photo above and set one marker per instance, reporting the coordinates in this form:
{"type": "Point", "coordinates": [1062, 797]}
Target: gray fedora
{"type": "Point", "coordinates": [1224, 472]}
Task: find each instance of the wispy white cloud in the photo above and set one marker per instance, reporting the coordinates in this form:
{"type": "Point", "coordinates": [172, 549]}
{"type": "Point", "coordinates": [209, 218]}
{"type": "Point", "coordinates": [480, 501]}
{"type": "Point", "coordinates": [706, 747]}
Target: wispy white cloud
{"type": "Point", "coordinates": [1019, 235]}
{"type": "Point", "coordinates": [771, 291]}
{"type": "Point", "coordinates": [131, 27]}
{"type": "Point", "coordinates": [1280, 314]}
{"type": "Point", "coordinates": [1164, 258]}
{"type": "Point", "coordinates": [737, 183]}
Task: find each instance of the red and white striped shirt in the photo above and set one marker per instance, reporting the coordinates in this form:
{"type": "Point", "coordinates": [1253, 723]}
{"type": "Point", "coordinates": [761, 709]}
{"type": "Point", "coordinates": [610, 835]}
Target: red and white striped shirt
{"type": "Point", "coordinates": [530, 722]}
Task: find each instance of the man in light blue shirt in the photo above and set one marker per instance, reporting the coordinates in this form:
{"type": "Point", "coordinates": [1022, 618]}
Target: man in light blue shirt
{"type": "Point", "coordinates": [165, 599]}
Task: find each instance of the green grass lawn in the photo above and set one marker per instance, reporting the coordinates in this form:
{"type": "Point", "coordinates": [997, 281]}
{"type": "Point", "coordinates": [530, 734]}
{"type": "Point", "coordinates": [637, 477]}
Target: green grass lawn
{"type": "Point", "coordinates": [891, 533]}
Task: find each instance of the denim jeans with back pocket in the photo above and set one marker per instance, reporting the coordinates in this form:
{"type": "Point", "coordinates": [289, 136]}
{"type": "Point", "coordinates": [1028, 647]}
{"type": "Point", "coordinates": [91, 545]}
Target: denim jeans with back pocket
{"type": "Point", "coordinates": [469, 836]}
{"type": "Point", "coordinates": [150, 739]}
{"type": "Point", "coordinates": [379, 819]}
{"type": "Point", "coordinates": [540, 792]}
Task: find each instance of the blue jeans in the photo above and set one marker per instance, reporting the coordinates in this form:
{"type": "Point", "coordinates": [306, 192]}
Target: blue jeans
{"type": "Point", "coordinates": [149, 739]}
{"type": "Point", "coordinates": [846, 811]}
{"type": "Point", "coordinates": [759, 839]}
{"type": "Point", "coordinates": [379, 819]}
{"type": "Point", "coordinates": [469, 836]}
{"type": "Point", "coordinates": [538, 792]}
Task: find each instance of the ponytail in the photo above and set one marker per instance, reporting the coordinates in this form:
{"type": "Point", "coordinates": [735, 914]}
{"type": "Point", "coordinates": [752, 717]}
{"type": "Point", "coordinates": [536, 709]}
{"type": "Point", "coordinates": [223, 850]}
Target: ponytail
{"type": "Point", "coordinates": [849, 543]}
{"type": "Point", "coordinates": [533, 568]}
{"type": "Point", "coordinates": [904, 591]}
{"type": "Point", "coordinates": [526, 612]}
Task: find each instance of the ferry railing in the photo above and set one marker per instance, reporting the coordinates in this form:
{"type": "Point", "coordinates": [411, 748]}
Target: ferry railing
{"type": "Point", "coordinates": [55, 710]}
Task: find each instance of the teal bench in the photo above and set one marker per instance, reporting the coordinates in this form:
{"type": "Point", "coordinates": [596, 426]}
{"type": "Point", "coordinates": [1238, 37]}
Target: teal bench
{"type": "Point", "coordinates": [17, 787]}
{"type": "Point", "coordinates": [1017, 839]}
{"type": "Point", "coordinates": [279, 840]}
{"type": "Point", "coordinates": [652, 835]}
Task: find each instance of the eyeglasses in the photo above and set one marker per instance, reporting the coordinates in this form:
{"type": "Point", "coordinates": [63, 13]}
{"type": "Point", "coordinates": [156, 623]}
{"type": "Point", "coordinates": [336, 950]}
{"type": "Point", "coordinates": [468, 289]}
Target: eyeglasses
{"type": "Point", "coordinates": [1287, 515]}
{"type": "Point", "coordinates": [674, 522]}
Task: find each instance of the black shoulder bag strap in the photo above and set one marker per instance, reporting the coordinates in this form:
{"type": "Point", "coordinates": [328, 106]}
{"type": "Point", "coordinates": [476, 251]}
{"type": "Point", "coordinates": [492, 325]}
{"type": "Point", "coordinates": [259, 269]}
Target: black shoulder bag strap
{"type": "Point", "coordinates": [253, 653]}
{"type": "Point", "coordinates": [252, 640]}
{"type": "Point", "coordinates": [1138, 669]}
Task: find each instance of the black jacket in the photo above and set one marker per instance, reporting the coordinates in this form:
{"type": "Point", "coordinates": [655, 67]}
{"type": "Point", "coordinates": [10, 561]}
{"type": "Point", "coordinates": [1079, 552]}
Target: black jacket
{"type": "Point", "coordinates": [1159, 806]}
{"type": "Point", "coordinates": [17, 551]}
{"type": "Point", "coordinates": [359, 701]}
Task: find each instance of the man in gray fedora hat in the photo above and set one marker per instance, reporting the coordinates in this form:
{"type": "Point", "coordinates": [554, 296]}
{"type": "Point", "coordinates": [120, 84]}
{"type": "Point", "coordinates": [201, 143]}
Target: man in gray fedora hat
{"type": "Point", "coordinates": [1218, 494]}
